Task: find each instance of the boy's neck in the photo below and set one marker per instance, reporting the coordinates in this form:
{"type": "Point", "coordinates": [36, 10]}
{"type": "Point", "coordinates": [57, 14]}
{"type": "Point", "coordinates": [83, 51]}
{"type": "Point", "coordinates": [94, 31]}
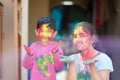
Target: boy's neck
{"type": "Point", "coordinates": [44, 43]}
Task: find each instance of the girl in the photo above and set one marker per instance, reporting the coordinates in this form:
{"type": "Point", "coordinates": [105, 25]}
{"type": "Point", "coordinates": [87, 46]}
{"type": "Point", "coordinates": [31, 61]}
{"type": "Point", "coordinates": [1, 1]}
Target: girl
{"type": "Point", "coordinates": [89, 64]}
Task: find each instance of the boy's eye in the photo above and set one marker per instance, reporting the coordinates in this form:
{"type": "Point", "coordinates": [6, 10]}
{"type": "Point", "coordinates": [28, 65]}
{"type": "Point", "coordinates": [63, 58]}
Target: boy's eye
{"type": "Point", "coordinates": [49, 30]}
{"type": "Point", "coordinates": [39, 31]}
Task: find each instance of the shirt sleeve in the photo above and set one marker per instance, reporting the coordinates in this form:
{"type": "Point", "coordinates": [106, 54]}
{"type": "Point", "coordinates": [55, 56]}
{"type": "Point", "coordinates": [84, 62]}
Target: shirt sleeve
{"type": "Point", "coordinates": [27, 61]}
{"type": "Point", "coordinates": [57, 63]}
{"type": "Point", "coordinates": [104, 62]}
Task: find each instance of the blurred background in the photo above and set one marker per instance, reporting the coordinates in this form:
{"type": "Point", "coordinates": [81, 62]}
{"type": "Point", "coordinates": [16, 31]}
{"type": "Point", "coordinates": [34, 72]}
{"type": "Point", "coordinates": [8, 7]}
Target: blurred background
{"type": "Point", "coordinates": [18, 19]}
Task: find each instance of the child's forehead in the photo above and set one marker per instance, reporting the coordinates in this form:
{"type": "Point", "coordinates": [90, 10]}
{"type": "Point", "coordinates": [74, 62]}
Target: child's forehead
{"type": "Point", "coordinates": [78, 29]}
{"type": "Point", "coordinates": [44, 27]}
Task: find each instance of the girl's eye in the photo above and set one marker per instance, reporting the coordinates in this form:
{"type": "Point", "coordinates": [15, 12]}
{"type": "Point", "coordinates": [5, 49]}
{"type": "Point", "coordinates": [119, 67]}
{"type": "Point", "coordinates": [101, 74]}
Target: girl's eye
{"type": "Point", "coordinates": [75, 35]}
{"type": "Point", "coordinates": [82, 35]}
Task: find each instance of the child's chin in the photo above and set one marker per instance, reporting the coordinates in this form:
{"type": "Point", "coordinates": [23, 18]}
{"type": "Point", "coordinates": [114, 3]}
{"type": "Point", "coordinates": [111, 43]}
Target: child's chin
{"type": "Point", "coordinates": [45, 42]}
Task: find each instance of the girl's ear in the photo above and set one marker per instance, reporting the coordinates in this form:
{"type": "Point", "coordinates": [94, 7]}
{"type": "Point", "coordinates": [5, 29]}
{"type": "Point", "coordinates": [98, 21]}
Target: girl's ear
{"type": "Point", "coordinates": [36, 32]}
{"type": "Point", "coordinates": [94, 39]}
{"type": "Point", "coordinates": [54, 34]}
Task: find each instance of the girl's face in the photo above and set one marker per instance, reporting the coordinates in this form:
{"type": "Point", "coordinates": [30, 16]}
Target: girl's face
{"type": "Point", "coordinates": [45, 33]}
{"type": "Point", "coordinates": [81, 38]}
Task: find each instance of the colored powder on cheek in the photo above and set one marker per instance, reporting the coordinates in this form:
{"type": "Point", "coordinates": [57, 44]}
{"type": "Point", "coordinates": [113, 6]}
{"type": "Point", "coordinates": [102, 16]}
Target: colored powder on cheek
{"type": "Point", "coordinates": [39, 36]}
{"type": "Point", "coordinates": [38, 32]}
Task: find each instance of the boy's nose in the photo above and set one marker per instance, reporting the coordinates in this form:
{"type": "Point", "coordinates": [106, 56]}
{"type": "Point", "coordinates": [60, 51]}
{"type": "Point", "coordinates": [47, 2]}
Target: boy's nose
{"type": "Point", "coordinates": [45, 34]}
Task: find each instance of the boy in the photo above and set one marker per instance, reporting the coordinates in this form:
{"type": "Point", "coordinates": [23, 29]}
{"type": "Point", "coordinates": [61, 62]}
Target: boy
{"type": "Point", "coordinates": [43, 56]}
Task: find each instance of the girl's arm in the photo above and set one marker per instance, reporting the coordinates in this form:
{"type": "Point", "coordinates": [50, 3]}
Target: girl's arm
{"type": "Point", "coordinates": [71, 71]}
{"type": "Point", "coordinates": [98, 75]}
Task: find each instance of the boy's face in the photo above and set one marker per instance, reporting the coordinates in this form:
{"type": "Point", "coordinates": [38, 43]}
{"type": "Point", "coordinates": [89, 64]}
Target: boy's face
{"type": "Point", "coordinates": [45, 33]}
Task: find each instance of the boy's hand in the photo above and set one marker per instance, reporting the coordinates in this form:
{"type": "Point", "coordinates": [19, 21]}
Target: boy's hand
{"type": "Point", "coordinates": [28, 49]}
{"type": "Point", "coordinates": [54, 50]}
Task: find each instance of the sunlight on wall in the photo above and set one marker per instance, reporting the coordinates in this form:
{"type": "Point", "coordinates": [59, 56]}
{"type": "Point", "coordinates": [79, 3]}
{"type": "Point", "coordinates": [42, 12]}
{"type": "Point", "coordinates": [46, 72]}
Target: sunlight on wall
{"type": "Point", "coordinates": [24, 35]}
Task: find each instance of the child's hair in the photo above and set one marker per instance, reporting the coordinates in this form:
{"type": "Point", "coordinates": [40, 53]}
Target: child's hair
{"type": "Point", "coordinates": [46, 20]}
{"type": "Point", "coordinates": [87, 27]}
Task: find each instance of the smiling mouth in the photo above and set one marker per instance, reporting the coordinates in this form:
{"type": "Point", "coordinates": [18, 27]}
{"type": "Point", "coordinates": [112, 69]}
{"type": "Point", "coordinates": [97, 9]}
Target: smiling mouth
{"type": "Point", "coordinates": [79, 45]}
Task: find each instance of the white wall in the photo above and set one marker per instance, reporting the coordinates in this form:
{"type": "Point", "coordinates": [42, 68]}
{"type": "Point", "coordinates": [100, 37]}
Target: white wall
{"type": "Point", "coordinates": [24, 35]}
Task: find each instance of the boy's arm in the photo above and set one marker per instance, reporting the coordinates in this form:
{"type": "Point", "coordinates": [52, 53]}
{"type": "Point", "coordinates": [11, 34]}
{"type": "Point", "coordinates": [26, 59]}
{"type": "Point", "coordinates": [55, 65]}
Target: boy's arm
{"type": "Point", "coordinates": [27, 61]}
{"type": "Point", "coordinates": [57, 63]}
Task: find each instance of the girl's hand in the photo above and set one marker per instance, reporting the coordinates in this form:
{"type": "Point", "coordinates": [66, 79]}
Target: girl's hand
{"type": "Point", "coordinates": [66, 58]}
{"type": "Point", "coordinates": [90, 61]}
{"type": "Point", "coordinates": [28, 49]}
{"type": "Point", "coordinates": [55, 49]}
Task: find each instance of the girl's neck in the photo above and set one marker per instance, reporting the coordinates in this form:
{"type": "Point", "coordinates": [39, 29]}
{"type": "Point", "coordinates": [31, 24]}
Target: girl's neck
{"type": "Point", "coordinates": [89, 53]}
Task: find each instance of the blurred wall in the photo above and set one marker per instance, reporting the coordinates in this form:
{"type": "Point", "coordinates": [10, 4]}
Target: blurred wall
{"type": "Point", "coordinates": [9, 41]}
{"type": "Point", "coordinates": [114, 21]}
{"type": "Point", "coordinates": [37, 9]}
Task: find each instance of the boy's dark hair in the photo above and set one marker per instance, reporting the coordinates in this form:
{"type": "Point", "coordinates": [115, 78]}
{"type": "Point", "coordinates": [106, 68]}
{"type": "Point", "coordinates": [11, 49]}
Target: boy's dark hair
{"type": "Point", "coordinates": [46, 20]}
